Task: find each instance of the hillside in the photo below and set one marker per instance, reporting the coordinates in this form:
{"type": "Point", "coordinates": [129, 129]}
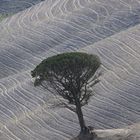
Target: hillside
{"type": "Point", "coordinates": [126, 133]}
{"type": "Point", "coordinates": [14, 6]}
{"type": "Point", "coordinates": [107, 28]}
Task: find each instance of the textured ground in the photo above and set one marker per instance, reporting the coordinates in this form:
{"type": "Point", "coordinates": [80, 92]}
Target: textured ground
{"type": "Point", "coordinates": [14, 6]}
{"type": "Point", "coordinates": [126, 133]}
{"type": "Point", "coordinates": [109, 28]}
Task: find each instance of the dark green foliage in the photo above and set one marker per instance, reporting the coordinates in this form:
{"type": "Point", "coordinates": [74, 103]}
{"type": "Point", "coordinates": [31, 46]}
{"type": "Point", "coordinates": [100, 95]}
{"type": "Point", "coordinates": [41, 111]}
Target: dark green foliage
{"type": "Point", "coordinates": [69, 69]}
{"type": "Point", "coordinates": [68, 75]}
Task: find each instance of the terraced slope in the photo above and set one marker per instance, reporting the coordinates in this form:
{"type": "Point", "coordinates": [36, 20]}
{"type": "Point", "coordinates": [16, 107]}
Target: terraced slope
{"type": "Point", "coordinates": [14, 6]}
{"type": "Point", "coordinates": [107, 28]}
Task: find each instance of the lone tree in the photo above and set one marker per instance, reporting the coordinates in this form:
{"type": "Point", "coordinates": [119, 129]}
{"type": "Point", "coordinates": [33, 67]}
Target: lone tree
{"type": "Point", "coordinates": [69, 75]}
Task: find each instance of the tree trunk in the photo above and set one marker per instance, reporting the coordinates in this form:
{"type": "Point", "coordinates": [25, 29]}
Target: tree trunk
{"type": "Point", "coordinates": [80, 116]}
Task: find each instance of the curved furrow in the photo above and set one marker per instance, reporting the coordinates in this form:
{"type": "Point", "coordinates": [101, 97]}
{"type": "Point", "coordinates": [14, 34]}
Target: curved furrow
{"type": "Point", "coordinates": [26, 124]}
{"type": "Point", "coordinates": [117, 107]}
{"type": "Point", "coordinates": [124, 90]}
{"type": "Point", "coordinates": [65, 8]}
{"type": "Point", "coordinates": [117, 64]}
{"type": "Point", "coordinates": [123, 95]}
{"type": "Point", "coordinates": [118, 60]}
{"type": "Point", "coordinates": [14, 6]}
{"type": "Point", "coordinates": [5, 71]}
{"type": "Point", "coordinates": [130, 59]}
{"type": "Point", "coordinates": [55, 26]}
{"type": "Point", "coordinates": [8, 99]}
{"type": "Point", "coordinates": [130, 116]}
{"type": "Point", "coordinates": [115, 103]}
{"type": "Point", "coordinates": [29, 95]}
{"type": "Point", "coordinates": [57, 9]}
{"type": "Point", "coordinates": [112, 114]}
{"type": "Point", "coordinates": [10, 134]}
{"type": "Point", "coordinates": [5, 136]}
{"type": "Point", "coordinates": [55, 123]}
{"type": "Point", "coordinates": [116, 110]}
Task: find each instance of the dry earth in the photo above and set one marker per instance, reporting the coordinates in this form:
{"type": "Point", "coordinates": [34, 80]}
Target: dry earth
{"type": "Point", "coordinates": [128, 133]}
{"type": "Point", "coordinates": [108, 28]}
{"type": "Point", "coordinates": [14, 6]}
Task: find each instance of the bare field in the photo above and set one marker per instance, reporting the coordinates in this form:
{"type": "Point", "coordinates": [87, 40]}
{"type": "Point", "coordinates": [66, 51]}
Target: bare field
{"type": "Point", "coordinates": [14, 6]}
{"type": "Point", "coordinates": [108, 28]}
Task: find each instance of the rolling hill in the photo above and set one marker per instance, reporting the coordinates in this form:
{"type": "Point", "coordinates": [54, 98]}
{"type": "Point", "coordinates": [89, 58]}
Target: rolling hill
{"type": "Point", "coordinates": [108, 28]}
{"type": "Point", "coordinates": [14, 6]}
